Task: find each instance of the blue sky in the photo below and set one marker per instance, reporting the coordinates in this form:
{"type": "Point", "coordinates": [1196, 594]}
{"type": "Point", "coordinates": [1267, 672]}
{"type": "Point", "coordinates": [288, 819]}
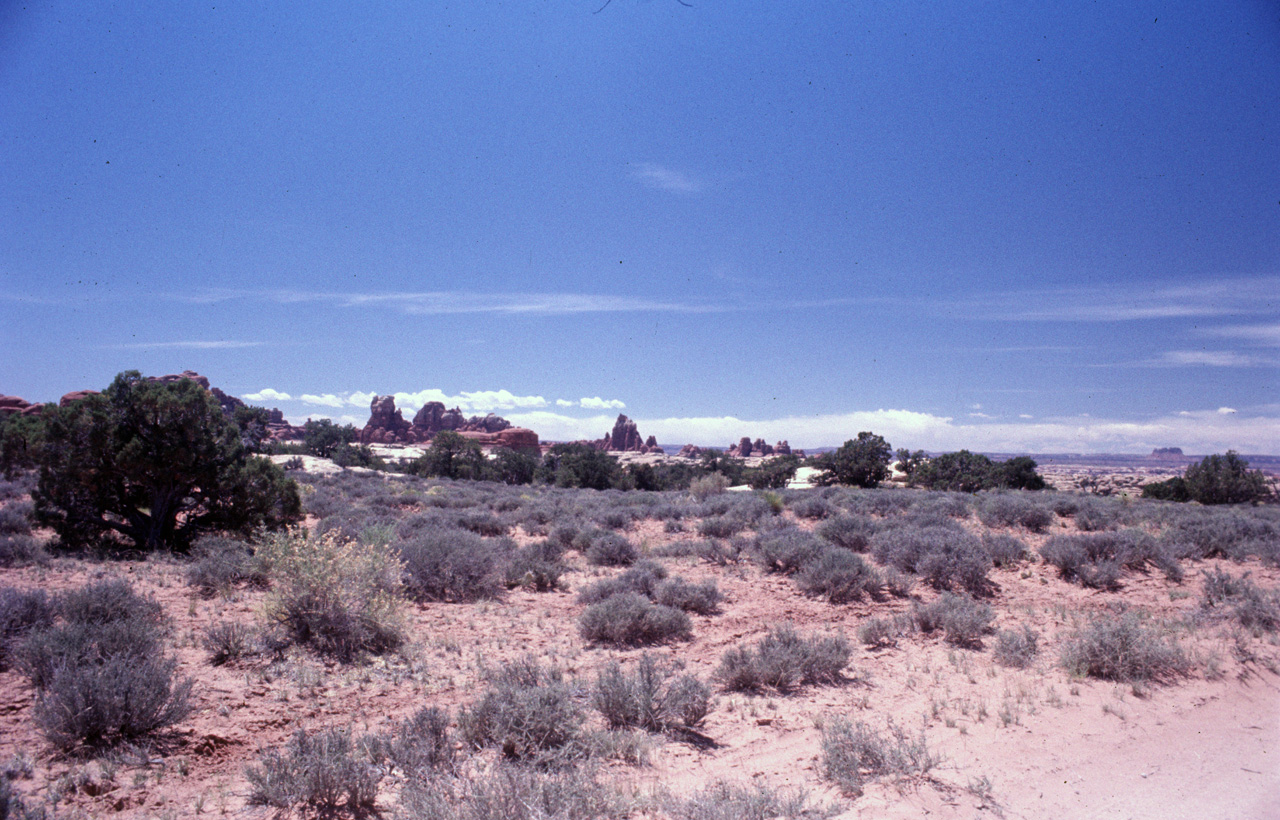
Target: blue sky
{"type": "Point", "coordinates": [1046, 227]}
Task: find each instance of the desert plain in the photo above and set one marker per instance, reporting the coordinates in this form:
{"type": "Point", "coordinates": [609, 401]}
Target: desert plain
{"type": "Point", "coordinates": [1018, 734]}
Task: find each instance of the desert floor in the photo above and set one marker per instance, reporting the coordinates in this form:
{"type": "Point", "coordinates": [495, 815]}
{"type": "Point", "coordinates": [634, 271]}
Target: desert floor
{"type": "Point", "coordinates": [1016, 743]}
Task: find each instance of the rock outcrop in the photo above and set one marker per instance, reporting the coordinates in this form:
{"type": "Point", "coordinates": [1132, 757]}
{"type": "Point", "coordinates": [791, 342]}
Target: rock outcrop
{"type": "Point", "coordinates": [625, 438]}
{"type": "Point", "coordinates": [75, 396]}
{"type": "Point", "coordinates": [386, 424]}
{"type": "Point", "coordinates": [433, 417]}
{"type": "Point", "coordinates": [690, 451]}
{"type": "Point", "coordinates": [11, 405]}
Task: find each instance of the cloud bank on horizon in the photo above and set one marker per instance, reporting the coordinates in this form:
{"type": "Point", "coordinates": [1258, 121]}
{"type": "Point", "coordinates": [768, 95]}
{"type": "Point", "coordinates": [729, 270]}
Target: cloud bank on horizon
{"type": "Point", "coordinates": [1199, 431]}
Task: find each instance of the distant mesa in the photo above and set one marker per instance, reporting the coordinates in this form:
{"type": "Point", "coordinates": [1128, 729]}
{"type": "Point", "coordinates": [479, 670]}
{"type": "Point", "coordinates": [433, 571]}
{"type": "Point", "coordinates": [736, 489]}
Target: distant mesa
{"type": "Point", "coordinates": [387, 425]}
{"type": "Point", "coordinates": [1167, 452]}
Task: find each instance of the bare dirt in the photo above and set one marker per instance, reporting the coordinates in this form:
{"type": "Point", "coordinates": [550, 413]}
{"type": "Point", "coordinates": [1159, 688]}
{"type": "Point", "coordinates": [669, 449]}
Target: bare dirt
{"type": "Point", "coordinates": [1033, 743]}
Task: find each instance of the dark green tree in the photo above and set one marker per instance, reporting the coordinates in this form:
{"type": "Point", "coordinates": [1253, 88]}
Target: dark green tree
{"type": "Point", "coordinates": [1174, 489]}
{"type": "Point", "coordinates": [962, 471]}
{"type": "Point", "coordinates": [252, 422]}
{"type": "Point", "coordinates": [155, 465]}
{"type": "Point", "coordinates": [1225, 479]}
{"type": "Point", "coordinates": [21, 439]}
{"type": "Point", "coordinates": [1019, 473]}
{"type": "Point", "coordinates": [910, 462]}
{"type": "Point", "coordinates": [773, 473]}
{"type": "Point", "coordinates": [717, 461]}
{"type": "Point", "coordinates": [321, 436]}
{"type": "Point", "coordinates": [575, 464]}
{"type": "Point", "coordinates": [453, 456]}
{"type": "Point", "coordinates": [860, 462]}
{"type": "Point", "coordinates": [513, 466]}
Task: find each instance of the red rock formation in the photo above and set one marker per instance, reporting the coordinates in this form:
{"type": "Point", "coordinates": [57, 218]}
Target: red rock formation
{"type": "Point", "coordinates": [186, 374]}
{"type": "Point", "coordinates": [75, 396]}
{"type": "Point", "coordinates": [690, 451]}
{"type": "Point", "coordinates": [782, 448]}
{"type": "Point", "coordinates": [625, 438]}
{"type": "Point", "coordinates": [516, 438]}
{"type": "Point", "coordinates": [760, 448]}
{"type": "Point", "coordinates": [386, 424]}
{"type": "Point", "coordinates": [10, 405]}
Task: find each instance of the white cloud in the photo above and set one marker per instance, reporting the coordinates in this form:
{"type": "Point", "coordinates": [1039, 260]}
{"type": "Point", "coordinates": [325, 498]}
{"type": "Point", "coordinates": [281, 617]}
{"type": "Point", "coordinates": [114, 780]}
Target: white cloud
{"type": "Point", "coordinates": [980, 416]}
{"type": "Point", "coordinates": [432, 303]}
{"type": "Point", "coordinates": [565, 403]}
{"type": "Point", "coordinates": [666, 179]}
{"type": "Point", "coordinates": [1210, 358]}
{"type": "Point", "coordinates": [598, 403]}
{"type": "Point", "coordinates": [1226, 411]}
{"type": "Point", "coordinates": [193, 345]}
{"type": "Point", "coordinates": [480, 401]}
{"type": "Point", "coordinates": [1263, 335]}
{"type": "Point", "coordinates": [267, 394]}
{"type": "Point", "coordinates": [325, 400]}
{"type": "Point", "coordinates": [1204, 431]}
{"type": "Point", "coordinates": [359, 399]}
{"type": "Point", "coordinates": [1131, 302]}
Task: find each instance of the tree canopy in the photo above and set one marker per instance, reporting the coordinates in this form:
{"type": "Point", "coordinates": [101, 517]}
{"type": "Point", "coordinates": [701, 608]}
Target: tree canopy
{"type": "Point", "coordinates": [155, 464]}
{"type": "Point", "coordinates": [860, 462]}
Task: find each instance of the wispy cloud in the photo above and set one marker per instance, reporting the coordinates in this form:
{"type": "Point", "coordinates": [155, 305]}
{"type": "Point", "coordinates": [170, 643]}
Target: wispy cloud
{"type": "Point", "coordinates": [1125, 302]}
{"type": "Point", "coordinates": [428, 303]}
{"type": "Point", "coordinates": [190, 345]}
{"type": "Point", "coordinates": [667, 179]}
{"type": "Point", "coordinates": [1211, 358]}
{"type": "Point", "coordinates": [1267, 335]}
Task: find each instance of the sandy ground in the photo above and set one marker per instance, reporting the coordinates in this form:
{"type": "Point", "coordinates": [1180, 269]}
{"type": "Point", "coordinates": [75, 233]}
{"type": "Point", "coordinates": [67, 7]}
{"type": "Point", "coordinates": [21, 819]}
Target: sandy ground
{"type": "Point", "coordinates": [1034, 743]}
